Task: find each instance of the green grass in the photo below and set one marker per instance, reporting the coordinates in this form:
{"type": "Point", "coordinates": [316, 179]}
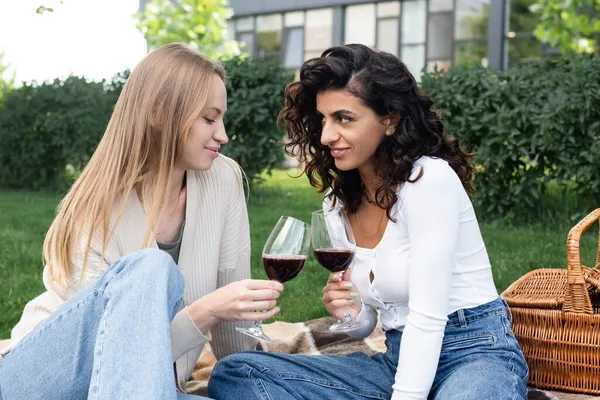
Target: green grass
{"type": "Point", "coordinates": [25, 217]}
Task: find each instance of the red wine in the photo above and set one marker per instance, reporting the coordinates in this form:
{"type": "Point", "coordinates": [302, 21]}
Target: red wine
{"type": "Point", "coordinates": [335, 260]}
{"type": "Point", "coordinates": [282, 267]}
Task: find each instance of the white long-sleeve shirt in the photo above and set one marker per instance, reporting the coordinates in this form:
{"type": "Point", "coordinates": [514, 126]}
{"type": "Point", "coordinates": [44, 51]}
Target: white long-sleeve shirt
{"type": "Point", "coordinates": [429, 263]}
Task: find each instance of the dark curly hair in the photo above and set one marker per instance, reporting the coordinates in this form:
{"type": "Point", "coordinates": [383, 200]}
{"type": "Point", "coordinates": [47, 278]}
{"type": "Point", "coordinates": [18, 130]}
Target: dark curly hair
{"type": "Point", "coordinates": [384, 84]}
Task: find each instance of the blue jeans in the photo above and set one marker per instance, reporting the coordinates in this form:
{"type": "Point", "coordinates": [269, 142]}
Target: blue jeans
{"type": "Point", "coordinates": [109, 341]}
{"type": "Point", "coordinates": [480, 359]}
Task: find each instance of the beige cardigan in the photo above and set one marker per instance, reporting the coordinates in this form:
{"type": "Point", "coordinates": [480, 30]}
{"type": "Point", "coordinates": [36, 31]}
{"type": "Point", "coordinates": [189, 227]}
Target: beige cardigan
{"type": "Point", "coordinates": [215, 251]}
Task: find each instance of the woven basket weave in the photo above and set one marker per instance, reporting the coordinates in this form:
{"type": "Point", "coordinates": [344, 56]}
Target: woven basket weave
{"type": "Point", "coordinates": [556, 319]}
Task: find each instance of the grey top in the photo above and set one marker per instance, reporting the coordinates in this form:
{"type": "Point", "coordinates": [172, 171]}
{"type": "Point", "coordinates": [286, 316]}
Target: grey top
{"type": "Point", "coordinates": [174, 247]}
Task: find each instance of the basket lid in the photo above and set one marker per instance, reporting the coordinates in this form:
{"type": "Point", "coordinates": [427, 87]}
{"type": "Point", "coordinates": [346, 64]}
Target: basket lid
{"type": "Point", "coordinates": [545, 288]}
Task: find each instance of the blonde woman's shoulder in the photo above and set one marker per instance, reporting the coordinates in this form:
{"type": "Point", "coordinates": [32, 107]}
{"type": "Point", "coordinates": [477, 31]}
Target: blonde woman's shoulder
{"type": "Point", "coordinates": [225, 172]}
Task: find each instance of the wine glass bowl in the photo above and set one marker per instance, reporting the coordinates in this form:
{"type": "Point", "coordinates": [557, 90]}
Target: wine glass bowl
{"type": "Point", "coordinates": [283, 268]}
{"type": "Point", "coordinates": [335, 260]}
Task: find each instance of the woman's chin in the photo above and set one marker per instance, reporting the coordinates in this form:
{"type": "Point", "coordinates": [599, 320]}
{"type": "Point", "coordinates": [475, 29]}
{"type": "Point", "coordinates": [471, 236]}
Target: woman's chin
{"type": "Point", "coordinates": [344, 165]}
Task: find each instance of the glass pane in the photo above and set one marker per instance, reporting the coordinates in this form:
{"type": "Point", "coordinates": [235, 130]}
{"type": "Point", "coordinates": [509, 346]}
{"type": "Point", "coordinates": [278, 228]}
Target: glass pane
{"type": "Point", "coordinates": [414, 58]}
{"type": "Point", "coordinates": [388, 9]}
{"type": "Point", "coordinates": [441, 65]}
{"type": "Point", "coordinates": [268, 35]}
{"type": "Point", "coordinates": [522, 49]}
{"type": "Point", "coordinates": [230, 30]}
{"type": "Point", "coordinates": [244, 24]}
{"type": "Point", "coordinates": [472, 18]}
{"type": "Point", "coordinates": [471, 52]}
{"type": "Point", "coordinates": [268, 44]}
{"type": "Point", "coordinates": [520, 18]}
{"type": "Point", "coordinates": [360, 24]}
{"type": "Point", "coordinates": [294, 19]}
{"type": "Point", "coordinates": [317, 35]}
{"type": "Point", "coordinates": [387, 35]}
{"type": "Point", "coordinates": [269, 23]}
{"type": "Point", "coordinates": [413, 22]}
{"type": "Point", "coordinates": [439, 36]}
{"type": "Point", "coordinates": [246, 42]}
{"type": "Point", "coordinates": [293, 48]}
{"type": "Point", "coordinates": [441, 5]}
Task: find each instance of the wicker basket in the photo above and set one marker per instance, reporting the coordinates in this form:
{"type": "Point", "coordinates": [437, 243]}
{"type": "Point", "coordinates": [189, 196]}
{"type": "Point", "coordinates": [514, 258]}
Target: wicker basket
{"type": "Point", "coordinates": [556, 319]}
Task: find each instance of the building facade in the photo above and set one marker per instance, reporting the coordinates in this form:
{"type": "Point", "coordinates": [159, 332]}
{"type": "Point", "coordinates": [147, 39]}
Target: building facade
{"type": "Point", "coordinates": [423, 33]}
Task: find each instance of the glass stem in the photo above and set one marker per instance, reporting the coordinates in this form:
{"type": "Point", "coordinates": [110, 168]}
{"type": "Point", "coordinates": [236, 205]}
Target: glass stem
{"type": "Point", "coordinates": [258, 324]}
{"type": "Point", "coordinates": [347, 315]}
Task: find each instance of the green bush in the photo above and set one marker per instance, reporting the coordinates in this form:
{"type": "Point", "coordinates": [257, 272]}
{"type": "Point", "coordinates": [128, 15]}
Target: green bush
{"type": "Point", "coordinates": [6, 83]}
{"type": "Point", "coordinates": [45, 127]}
{"type": "Point", "coordinates": [255, 97]}
{"type": "Point", "coordinates": [49, 131]}
{"type": "Point", "coordinates": [535, 130]}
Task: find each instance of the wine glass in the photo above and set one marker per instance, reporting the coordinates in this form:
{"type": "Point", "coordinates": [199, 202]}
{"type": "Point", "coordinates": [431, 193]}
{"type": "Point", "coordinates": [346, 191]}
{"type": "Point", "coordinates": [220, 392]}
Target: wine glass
{"type": "Point", "coordinates": [334, 247]}
{"type": "Point", "coordinates": [283, 258]}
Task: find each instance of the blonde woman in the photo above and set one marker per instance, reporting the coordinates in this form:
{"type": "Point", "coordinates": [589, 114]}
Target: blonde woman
{"type": "Point", "coordinates": [149, 253]}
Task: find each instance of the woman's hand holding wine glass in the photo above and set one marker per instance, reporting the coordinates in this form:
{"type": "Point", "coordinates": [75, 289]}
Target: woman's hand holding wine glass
{"type": "Point", "coordinates": [340, 296]}
{"type": "Point", "coordinates": [283, 258]}
{"type": "Point", "coordinates": [334, 247]}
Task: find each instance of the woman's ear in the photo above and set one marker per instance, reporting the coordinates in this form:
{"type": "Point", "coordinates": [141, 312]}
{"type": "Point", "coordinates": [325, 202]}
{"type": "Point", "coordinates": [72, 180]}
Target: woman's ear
{"type": "Point", "coordinates": [391, 123]}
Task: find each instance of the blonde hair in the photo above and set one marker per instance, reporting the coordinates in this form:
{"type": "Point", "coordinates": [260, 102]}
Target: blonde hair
{"type": "Point", "coordinates": [160, 101]}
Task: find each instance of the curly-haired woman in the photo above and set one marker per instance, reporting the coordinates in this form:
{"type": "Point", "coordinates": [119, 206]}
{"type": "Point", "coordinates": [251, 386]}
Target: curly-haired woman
{"type": "Point", "coordinates": [367, 135]}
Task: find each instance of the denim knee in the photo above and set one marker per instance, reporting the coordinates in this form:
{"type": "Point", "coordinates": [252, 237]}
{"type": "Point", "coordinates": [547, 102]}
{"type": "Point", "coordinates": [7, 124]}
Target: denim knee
{"type": "Point", "coordinates": [150, 258]}
{"type": "Point", "coordinates": [150, 267]}
{"type": "Point", "coordinates": [232, 369]}
{"type": "Point", "coordinates": [152, 261]}
{"type": "Point", "coordinates": [226, 363]}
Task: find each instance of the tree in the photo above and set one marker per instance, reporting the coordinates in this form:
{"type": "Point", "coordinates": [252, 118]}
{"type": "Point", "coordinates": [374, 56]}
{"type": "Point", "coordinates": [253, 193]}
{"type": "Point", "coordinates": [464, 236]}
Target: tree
{"type": "Point", "coordinates": [573, 26]}
{"type": "Point", "coordinates": [200, 23]}
{"type": "Point", "coordinates": [6, 84]}
{"type": "Point", "coordinates": [45, 8]}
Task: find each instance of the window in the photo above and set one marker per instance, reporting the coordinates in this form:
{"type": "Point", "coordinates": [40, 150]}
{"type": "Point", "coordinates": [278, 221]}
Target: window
{"type": "Point", "coordinates": [293, 19]}
{"type": "Point", "coordinates": [471, 52]}
{"type": "Point", "coordinates": [520, 45]}
{"type": "Point", "coordinates": [246, 40]}
{"type": "Point", "coordinates": [318, 32]}
{"type": "Point", "coordinates": [521, 49]}
{"type": "Point", "coordinates": [388, 9]}
{"type": "Point", "coordinates": [472, 19]}
{"type": "Point", "coordinates": [293, 48]}
{"type": "Point", "coordinates": [388, 24]}
{"type": "Point", "coordinates": [230, 30]}
{"type": "Point", "coordinates": [360, 24]}
{"type": "Point", "coordinates": [244, 34]}
{"type": "Point", "coordinates": [441, 5]}
{"type": "Point", "coordinates": [387, 35]}
{"type": "Point", "coordinates": [414, 58]}
{"type": "Point", "coordinates": [268, 36]}
{"type": "Point", "coordinates": [471, 31]}
{"type": "Point", "coordinates": [439, 36]}
{"type": "Point", "coordinates": [244, 24]}
{"type": "Point", "coordinates": [414, 21]}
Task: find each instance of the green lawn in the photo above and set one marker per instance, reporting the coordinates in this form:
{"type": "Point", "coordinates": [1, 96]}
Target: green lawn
{"type": "Point", "coordinates": [25, 217]}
